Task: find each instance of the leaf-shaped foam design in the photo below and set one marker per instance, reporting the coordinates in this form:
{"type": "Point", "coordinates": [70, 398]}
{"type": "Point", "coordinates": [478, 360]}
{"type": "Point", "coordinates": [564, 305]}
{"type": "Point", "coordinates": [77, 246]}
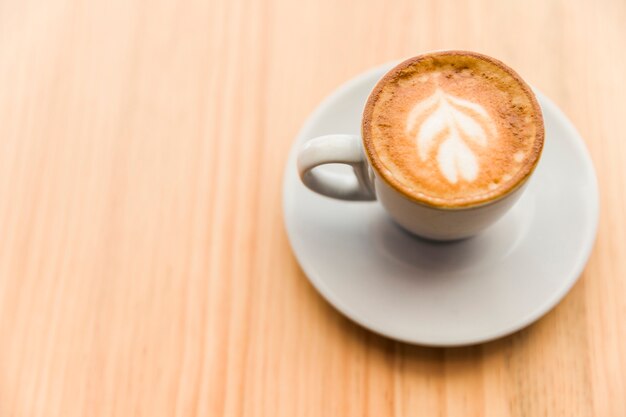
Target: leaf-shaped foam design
{"type": "Point", "coordinates": [469, 126]}
{"type": "Point", "coordinates": [478, 112]}
{"type": "Point", "coordinates": [456, 159]}
{"type": "Point", "coordinates": [429, 130]}
{"type": "Point", "coordinates": [421, 108]}
{"type": "Point", "coordinates": [473, 107]}
{"type": "Point", "coordinates": [453, 120]}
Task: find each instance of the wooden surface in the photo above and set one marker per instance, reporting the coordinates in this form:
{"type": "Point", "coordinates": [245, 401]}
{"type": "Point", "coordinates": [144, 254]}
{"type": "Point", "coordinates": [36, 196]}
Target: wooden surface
{"type": "Point", "coordinates": [144, 267]}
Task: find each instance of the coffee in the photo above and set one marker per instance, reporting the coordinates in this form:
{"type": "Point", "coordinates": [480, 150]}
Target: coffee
{"type": "Point", "coordinates": [453, 129]}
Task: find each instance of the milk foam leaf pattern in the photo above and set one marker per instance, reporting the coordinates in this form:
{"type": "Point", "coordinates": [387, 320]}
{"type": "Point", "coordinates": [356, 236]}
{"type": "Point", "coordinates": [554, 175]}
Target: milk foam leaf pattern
{"type": "Point", "coordinates": [447, 123]}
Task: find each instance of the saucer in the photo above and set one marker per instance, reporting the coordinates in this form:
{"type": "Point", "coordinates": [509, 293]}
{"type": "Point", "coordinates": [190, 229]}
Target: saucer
{"type": "Point", "coordinates": [445, 294]}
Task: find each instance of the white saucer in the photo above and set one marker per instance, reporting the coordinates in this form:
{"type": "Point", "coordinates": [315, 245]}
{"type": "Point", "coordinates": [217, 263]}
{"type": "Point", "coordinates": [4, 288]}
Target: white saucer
{"type": "Point", "coordinates": [449, 294]}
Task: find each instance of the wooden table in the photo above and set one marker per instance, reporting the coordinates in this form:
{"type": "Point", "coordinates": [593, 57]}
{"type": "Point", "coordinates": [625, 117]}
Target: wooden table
{"type": "Point", "coordinates": [144, 267]}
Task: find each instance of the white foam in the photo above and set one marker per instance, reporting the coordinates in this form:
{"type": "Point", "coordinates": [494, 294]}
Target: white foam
{"type": "Point", "coordinates": [456, 159]}
{"type": "Point", "coordinates": [457, 121]}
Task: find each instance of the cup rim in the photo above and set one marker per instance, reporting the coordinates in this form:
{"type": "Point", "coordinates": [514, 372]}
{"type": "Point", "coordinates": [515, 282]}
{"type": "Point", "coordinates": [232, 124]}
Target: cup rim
{"type": "Point", "coordinates": [485, 199]}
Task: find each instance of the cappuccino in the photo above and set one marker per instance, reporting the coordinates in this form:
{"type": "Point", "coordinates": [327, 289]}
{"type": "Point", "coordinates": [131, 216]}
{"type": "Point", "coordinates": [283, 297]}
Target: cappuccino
{"type": "Point", "coordinates": [453, 129]}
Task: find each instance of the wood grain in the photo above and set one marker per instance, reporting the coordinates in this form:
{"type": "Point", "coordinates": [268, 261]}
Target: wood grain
{"type": "Point", "coordinates": [144, 268]}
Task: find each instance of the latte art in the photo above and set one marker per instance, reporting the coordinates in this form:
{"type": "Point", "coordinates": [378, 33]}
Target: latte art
{"type": "Point", "coordinates": [453, 121]}
{"type": "Point", "coordinates": [453, 129]}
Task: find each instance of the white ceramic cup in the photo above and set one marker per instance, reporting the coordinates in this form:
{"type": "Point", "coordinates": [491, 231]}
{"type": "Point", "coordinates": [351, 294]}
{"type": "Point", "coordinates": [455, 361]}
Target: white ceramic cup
{"type": "Point", "coordinates": [365, 183]}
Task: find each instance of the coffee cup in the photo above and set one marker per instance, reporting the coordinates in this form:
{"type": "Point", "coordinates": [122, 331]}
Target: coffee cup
{"type": "Point", "coordinates": [448, 142]}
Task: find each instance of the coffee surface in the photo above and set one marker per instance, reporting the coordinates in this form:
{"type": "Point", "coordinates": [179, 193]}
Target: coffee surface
{"type": "Point", "coordinates": [453, 129]}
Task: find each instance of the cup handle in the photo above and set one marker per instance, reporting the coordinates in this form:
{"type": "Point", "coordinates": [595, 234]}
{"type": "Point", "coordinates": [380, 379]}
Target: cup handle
{"type": "Point", "coordinates": [336, 149]}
